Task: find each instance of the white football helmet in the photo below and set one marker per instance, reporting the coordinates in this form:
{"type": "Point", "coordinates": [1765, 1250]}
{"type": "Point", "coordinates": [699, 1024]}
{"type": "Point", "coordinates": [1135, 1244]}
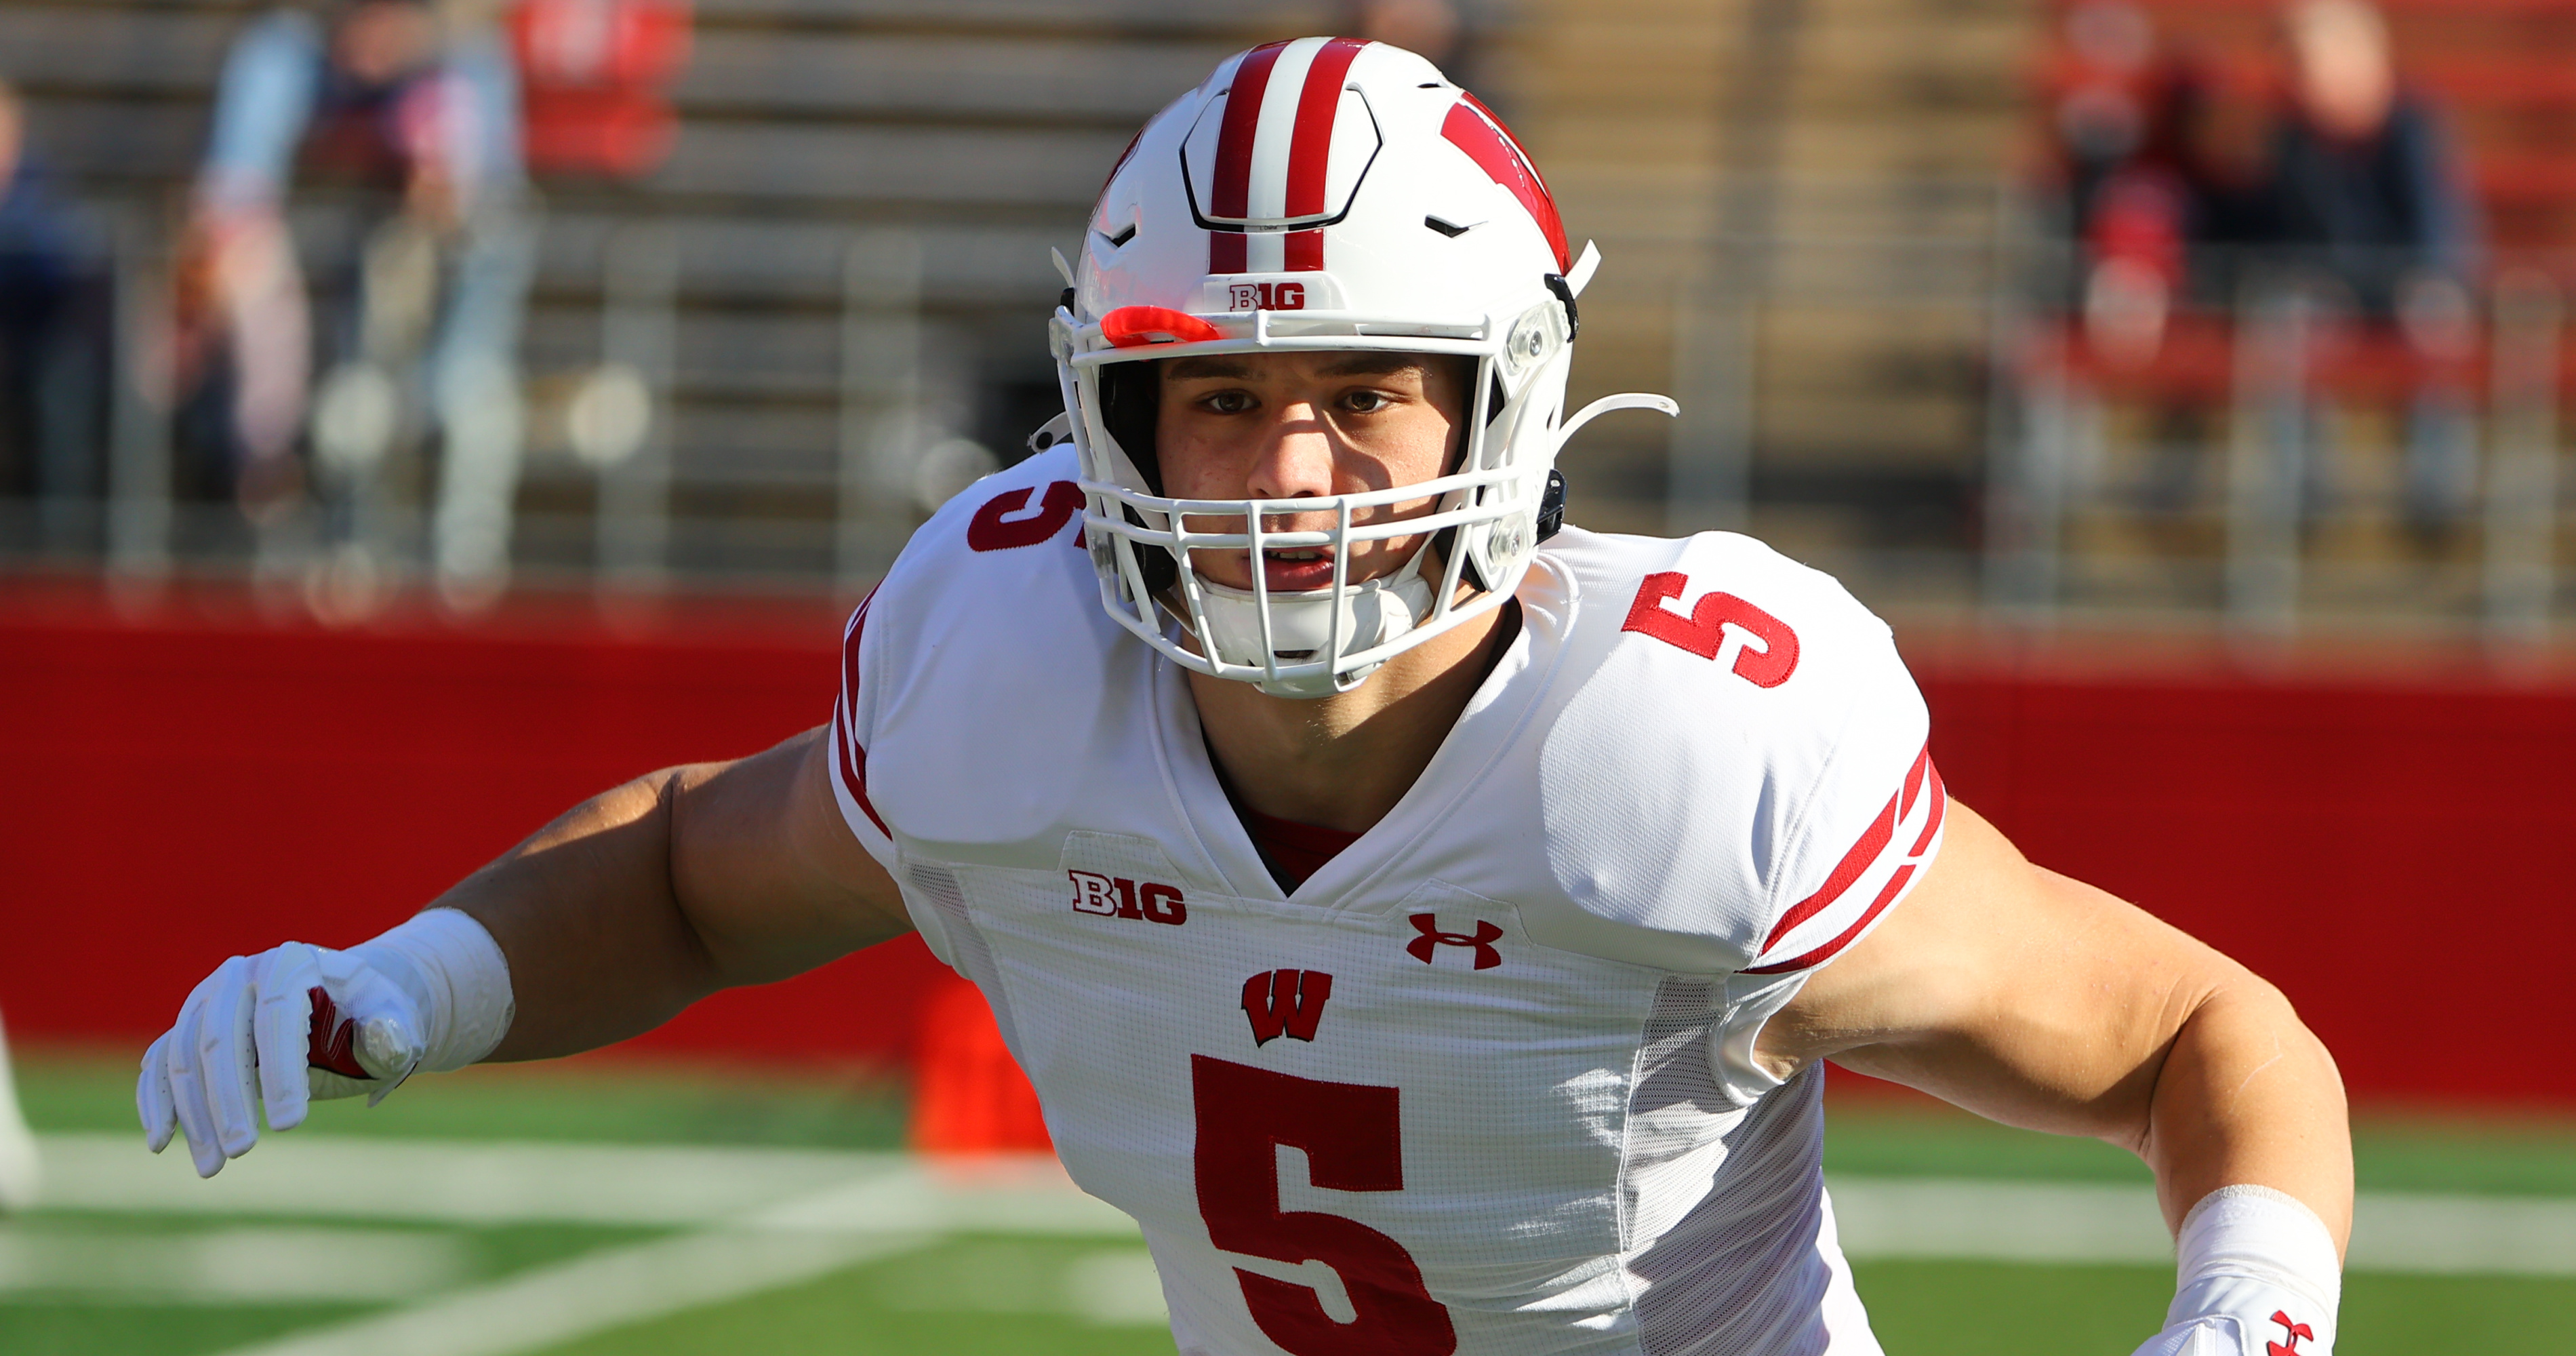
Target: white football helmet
{"type": "Point", "coordinates": [1326, 193]}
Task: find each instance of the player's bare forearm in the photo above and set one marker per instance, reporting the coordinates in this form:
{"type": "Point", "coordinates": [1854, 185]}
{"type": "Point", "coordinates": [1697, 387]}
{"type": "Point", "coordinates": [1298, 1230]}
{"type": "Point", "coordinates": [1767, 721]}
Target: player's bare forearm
{"type": "Point", "coordinates": [658, 892]}
{"type": "Point", "coordinates": [2039, 1001]}
{"type": "Point", "coordinates": [2246, 1093]}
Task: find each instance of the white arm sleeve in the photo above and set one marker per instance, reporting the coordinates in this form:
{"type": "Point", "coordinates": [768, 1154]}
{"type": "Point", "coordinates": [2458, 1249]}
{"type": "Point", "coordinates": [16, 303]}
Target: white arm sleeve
{"type": "Point", "coordinates": [2256, 1275]}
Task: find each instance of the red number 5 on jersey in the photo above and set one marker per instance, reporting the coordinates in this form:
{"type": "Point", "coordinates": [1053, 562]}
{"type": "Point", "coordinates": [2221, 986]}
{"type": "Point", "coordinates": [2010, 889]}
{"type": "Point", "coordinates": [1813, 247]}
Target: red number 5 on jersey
{"type": "Point", "coordinates": [1353, 1142]}
{"type": "Point", "coordinates": [1766, 659]}
{"type": "Point", "coordinates": [1006, 522]}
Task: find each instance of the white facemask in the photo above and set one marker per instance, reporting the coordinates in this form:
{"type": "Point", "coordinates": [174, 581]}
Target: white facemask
{"type": "Point", "coordinates": [1372, 613]}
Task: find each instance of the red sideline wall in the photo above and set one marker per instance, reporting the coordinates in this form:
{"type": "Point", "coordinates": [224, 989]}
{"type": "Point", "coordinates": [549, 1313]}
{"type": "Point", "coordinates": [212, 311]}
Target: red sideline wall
{"type": "Point", "coordinates": [200, 783]}
{"type": "Point", "coordinates": [197, 782]}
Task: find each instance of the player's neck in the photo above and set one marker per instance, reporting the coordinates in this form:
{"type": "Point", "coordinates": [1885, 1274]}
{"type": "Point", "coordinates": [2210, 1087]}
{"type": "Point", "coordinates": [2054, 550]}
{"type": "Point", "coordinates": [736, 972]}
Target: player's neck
{"type": "Point", "coordinates": [1342, 762]}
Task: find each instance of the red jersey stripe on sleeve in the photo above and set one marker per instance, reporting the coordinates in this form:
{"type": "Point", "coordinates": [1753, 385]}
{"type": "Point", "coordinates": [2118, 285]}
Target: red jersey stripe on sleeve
{"type": "Point", "coordinates": [852, 763]}
{"type": "Point", "coordinates": [1940, 806]}
{"type": "Point", "coordinates": [1922, 795]}
{"type": "Point", "coordinates": [1848, 870]}
{"type": "Point", "coordinates": [1895, 886]}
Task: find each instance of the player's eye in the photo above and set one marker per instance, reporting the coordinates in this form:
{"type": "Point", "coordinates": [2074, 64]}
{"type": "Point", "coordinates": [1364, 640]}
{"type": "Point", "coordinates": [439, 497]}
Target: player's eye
{"type": "Point", "coordinates": [1227, 402]}
{"type": "Point", "coordinates": [1366, 401]}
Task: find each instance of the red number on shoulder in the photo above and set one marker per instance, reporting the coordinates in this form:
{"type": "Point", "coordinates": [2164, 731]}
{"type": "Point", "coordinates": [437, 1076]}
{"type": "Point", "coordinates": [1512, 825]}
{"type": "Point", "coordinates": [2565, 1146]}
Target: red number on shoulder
{"type": "Point", "coordinates": [1353, 1142]}
{"type": "Point", "coordinates": [1006, 520]}
{"type": "Point", "coordinates": [1703, 632]}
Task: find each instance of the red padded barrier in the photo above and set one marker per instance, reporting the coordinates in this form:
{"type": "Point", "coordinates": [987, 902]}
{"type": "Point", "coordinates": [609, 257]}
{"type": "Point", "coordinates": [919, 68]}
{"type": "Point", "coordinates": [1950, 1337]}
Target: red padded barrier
{"type": "Point", "coordinates": [202, 783]}
{"type": "Point", "coordinates": [2391, 852]}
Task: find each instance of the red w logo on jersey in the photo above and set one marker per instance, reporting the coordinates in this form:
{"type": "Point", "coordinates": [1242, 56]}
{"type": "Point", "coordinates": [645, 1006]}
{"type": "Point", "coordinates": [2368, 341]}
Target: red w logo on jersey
{"type": "Point", "coordinates": [2293, 1331]}
{"type": "Point", "coordinates": [1285, 1003]}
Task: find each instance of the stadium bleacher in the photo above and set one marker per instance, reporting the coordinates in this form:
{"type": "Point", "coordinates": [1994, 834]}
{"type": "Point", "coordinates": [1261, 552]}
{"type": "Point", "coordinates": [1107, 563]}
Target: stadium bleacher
{"type": "Point", "coordinates": [2091, 527]}
{"type": "Point", "coordinates": [976, 133]}
{"type": "Point", "coordinates": [1805, 206]}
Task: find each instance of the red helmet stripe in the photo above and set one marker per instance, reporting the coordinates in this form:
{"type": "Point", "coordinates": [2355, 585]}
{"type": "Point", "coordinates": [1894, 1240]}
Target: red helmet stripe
{"type": "Point", "coordinates": [1305, 252]}
{"type": "Point", "coordinates": [1230, 195]}
{"type": "Point", "coordinates": [1228, 252]}
{"type": "Point", "coordinates": [1310, 152]}
{"type": "Point", "coordinates": [1473, 128]}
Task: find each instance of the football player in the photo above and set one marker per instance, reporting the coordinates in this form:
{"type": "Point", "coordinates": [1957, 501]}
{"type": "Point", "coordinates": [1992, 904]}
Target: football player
{"type": "Point", "coordinates": [1290, 778]}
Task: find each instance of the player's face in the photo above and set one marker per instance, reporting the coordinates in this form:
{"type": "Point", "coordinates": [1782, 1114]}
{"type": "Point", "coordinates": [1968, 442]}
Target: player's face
{"type": "Point", "coordinates": [1303, 425]}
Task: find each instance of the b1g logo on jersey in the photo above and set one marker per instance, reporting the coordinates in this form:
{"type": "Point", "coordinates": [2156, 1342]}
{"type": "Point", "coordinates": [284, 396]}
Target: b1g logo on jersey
{"type": "Point", "coordinates": [1269, 296]}
{"type": "Point", "coordinates": [1119, 897]}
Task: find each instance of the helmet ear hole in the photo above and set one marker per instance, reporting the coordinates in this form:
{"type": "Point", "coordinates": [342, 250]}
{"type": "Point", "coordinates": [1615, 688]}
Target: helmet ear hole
{"type": "Point", "coordinates": [1130, 396]}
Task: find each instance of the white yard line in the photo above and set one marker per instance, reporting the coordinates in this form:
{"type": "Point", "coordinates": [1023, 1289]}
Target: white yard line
{"type": "Point", "coordinates": [250, 1264]}
{"type": "Point", "coordinates": [449, 1182]}
{"type": "Point", "coordinates": [860, 1221]}
{"type": "Point", "coordinates": [2072, 1222]}
{"type": "Point", "coordinates": [761, 1219]}
{"type": "Point", "coordinates": [591, 1293]}
{"type": "Point", "coordinates": [1999, 1221]}
{"type": "Point", "coordinates": [2461, 1235]}
{"type": "Point", "coordinates": [816, 1190]}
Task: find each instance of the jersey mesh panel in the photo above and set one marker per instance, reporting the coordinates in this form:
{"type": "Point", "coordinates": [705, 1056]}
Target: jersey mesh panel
{"type": "Point", "coordinates": [1710, 1286]}
{"type": "Point", "coordinates": [973, 956]}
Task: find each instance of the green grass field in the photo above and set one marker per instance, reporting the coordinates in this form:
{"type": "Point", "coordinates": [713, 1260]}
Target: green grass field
{"type": "Point", "coordinates": [136, 1277]}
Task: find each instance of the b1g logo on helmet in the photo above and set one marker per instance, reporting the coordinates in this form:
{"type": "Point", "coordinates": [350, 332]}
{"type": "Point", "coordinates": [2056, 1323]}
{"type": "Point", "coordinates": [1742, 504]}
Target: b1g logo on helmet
{"type": "Point", "coordinates": [1119, 897]}
{"type": "Point", "coordinates": [1266, 296]}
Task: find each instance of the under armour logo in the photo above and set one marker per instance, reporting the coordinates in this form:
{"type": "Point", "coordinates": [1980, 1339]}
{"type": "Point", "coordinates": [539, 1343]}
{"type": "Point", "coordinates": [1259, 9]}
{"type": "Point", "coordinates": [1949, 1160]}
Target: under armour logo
{"type": "Point", "coordinates": [1483, 939]}
{"type": "Point", "coordinates": [2293, 1331]}
{"type": "Point", "coordinates": [1285, 1003]}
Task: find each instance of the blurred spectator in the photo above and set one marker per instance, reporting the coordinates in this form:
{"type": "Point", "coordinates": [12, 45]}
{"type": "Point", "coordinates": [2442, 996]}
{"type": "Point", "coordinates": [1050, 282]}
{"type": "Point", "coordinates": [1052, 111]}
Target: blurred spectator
{"type": "Point", "coordinates": [1436, 30]}
{"type": "Point", "coordinates": [2152, 193]}
{"type": "Point", "coordinates": [2367, 198]}
{"type": "Point", "coordinates": [595, 79]}
{"type": "Point", "coordinates": [53, 361]}
{"type": "Point", "coordinates": [419, 104]}
{"type": "Point", "coordinates": [1427, 28]}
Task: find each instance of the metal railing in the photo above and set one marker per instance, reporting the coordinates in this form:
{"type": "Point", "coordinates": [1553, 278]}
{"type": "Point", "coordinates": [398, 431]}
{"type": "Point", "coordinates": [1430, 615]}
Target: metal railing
{"type": "Point", "coordinates": [603, 399]}
{"type": "Point", "coordinates": [2214, 456]}
{"type": "Point", "coordinates": [2071, 443]}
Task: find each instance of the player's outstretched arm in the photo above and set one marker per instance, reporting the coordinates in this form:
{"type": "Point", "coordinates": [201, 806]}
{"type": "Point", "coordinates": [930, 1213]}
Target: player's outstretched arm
{"type": "Point", "coordinates": [2040, 1001]}
{"type": "Point", "coordinates": [605, 923]}
{"type": "Point", "coordinates": [645, 899]}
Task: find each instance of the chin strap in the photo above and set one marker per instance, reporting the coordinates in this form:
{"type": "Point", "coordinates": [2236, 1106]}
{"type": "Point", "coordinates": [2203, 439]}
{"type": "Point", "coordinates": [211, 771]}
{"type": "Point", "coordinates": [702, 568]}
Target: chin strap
{"type": "Point", "coordinates": [1301, 625]}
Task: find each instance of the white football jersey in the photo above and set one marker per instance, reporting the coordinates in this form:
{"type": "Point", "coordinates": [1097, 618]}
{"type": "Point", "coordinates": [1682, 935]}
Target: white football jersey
{"type": "Point", "coordinates": [1483, 1083]}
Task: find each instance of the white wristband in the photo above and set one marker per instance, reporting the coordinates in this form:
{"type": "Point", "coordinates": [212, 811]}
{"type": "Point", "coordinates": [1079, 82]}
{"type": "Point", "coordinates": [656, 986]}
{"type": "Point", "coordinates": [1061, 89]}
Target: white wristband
{"type": "Point", "coordinates": [457, 974]}
{"type": "Point", "coordinates": [2240, 1247]}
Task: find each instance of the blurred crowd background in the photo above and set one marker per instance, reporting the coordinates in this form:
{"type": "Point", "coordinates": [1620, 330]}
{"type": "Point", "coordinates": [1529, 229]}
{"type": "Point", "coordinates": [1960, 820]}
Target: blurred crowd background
{"type": "Point", "coordinates": [2218, 312]}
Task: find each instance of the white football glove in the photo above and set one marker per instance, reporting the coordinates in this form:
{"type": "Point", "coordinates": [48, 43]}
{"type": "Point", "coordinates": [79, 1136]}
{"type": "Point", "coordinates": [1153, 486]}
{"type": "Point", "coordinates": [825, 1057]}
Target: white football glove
{"type": "Point", "coordinates": [304, 1021]}
{"type": "Point", "coordinates": [2259, 1276]}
